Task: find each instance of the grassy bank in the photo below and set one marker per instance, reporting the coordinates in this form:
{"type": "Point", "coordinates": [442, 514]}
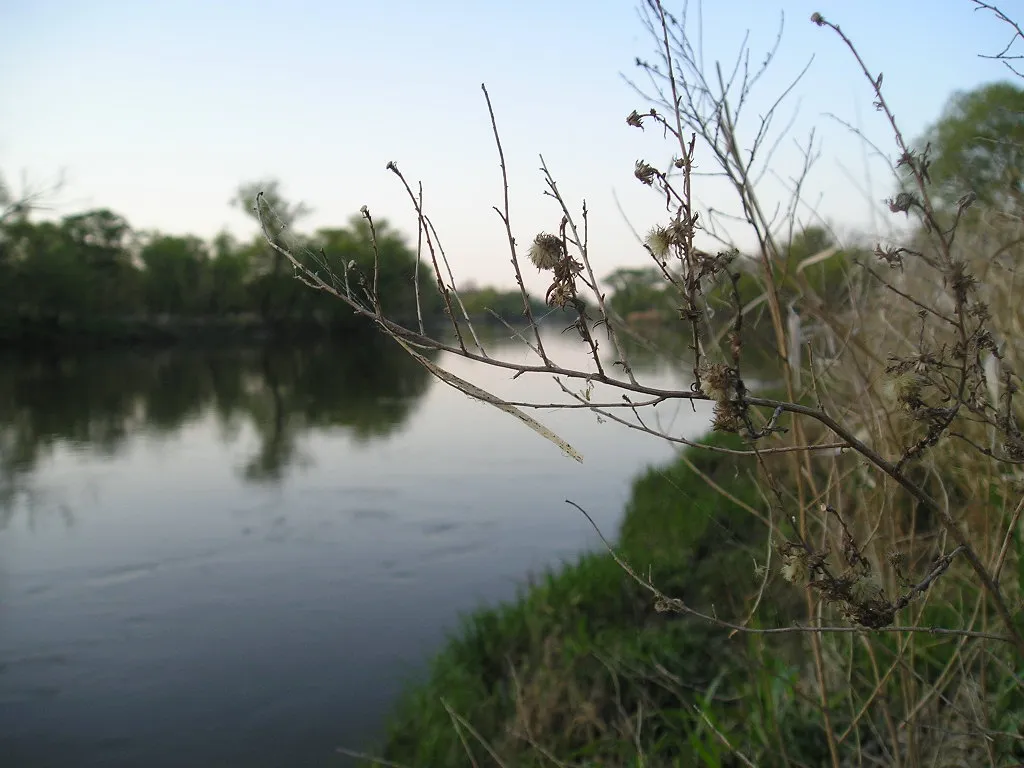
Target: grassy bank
{"type": "Point", "coordinates": [583, 668]}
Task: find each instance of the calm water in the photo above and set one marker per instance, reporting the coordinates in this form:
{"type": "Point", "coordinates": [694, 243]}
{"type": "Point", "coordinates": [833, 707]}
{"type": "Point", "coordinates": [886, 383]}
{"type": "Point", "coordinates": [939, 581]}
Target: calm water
{"type": "Point", "coordinates": [235, 558]}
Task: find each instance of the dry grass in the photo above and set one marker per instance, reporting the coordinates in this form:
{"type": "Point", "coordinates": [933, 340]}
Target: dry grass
{"type": "Point", "coordinates": [889, 553]}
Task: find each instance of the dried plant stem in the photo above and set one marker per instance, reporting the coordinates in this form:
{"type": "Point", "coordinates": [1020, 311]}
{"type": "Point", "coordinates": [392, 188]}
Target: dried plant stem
{"type": "Point", "coordinates": [506, 220]}
{"type": "Point", "coordinates": [883, 378]}
{"type": "Point", "coordinates": [667, 603]}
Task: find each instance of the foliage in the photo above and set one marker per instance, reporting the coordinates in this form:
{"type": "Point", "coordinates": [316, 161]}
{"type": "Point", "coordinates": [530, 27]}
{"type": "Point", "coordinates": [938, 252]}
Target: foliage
{"type": "Point", "coordinates": [583, 667]}
{"type": "Point", "coordinates": [887, 446]}
{"type": "Point", "coordinates": [977, 145]}
{"type": "Point", "coordinates": [176, 272]}
{"type": "Point", "coordinates": [354, 250]}
{"type": "Point", "coordinates": [89, 274]}
{"type": "Point", "coordinates": [639, 290]}
{"type": "Point", "coordinates": [850, 590]}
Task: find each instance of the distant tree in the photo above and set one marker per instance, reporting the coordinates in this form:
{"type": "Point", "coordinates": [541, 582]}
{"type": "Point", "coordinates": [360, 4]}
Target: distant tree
{"type": "Point", "coordinates": [101, 242]}
{"type": "Point", "coordinates": [284, 214]}
{"type": "Point", "coordinates": [7, 266]}
{"type": "Point", "coordinates": [176, 274]}
{"type": "Point", "coordinates": [7, 202]}
{"type": "Point", "coordinates": [508, 305]}
{"type": "Point", "coordinates": [18, 206]}
{"type": "Point", "coordinates": [15, 235]}
{"type": "Point", "coordinates": [639, 289]}
{"type": "Point", "coordinates": [44, 277]}
{"type": "Point", "coordinates": [352, 248]}
{"type": "Point", "coordinates": [276, 297]}
{"type": "Point", "coordinates": [90, 272]}
{"type": "Point", "coordinates": [977, 145]}
{"type": "Point", "coordinates": [229, 270]}
{"type": "Point", "coordinates": [809, 258]}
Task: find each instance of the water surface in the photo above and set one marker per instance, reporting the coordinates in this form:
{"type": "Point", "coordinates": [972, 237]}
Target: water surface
{"type": "Point", "coordinates": [237, 557]}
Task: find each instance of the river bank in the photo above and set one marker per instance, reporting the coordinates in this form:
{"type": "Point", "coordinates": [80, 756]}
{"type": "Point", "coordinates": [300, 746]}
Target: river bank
{"type": "Point", "coordinates": [583, 667]}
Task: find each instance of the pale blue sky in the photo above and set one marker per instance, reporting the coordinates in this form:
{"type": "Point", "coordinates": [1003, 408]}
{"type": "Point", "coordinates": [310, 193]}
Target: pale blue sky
{"type": "Point", "coordinates": [159, 109]}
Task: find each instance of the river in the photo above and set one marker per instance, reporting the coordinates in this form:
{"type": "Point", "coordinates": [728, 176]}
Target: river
{"type": "Point", "coordinates": [237, 557]}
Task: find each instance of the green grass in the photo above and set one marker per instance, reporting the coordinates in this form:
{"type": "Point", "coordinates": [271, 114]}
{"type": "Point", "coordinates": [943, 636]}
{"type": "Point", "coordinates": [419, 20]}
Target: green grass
{"type": "Point", "coordinates": [582, 665]}
{"type": "Point", "coordinates": [582, 670]}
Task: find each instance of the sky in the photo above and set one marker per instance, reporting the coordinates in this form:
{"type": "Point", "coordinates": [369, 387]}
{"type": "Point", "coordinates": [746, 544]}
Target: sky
{"type": "Point", "coordinates": [160, 110]}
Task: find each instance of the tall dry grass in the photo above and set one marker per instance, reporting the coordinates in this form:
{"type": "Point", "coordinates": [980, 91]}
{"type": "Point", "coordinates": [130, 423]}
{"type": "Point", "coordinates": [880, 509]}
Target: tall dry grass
{"type": "Point", "coordinates": [889, 456]}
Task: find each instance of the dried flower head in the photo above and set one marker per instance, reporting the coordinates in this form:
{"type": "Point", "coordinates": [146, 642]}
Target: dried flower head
{"type": "Point", "coordinates": [720, 380]}
{"type": "Point", "coordinates": [659, 240]}
{"type": "Point", "coordinates": [959, 280]}
{"type": "Point", "coordinates": [966, 201]}
{"type": "Point", "coordinates": [901, 203]}
{"type": "Point", "coordinates": [646, 173]}
{"type": "Point", "coordinates": [546, 251]}
{"type": "Point", "coordinates": [794, 565]}
{"type": "Point", "coordinates": [560, 296]}
{"type": "Point", "coordinates": [867, 590]}
{"type": "Point", "coordinates": [897, 559]}
{"type": "Point", "coordinates": [635, 120]}
{"type": "Point", "coordinates": [1013, 447]}
{"type": "Point", "coordinates": [727, 416]}
{"type": "Point", "coordinates": [818, 19]}
{"type": "Point", "coordinates": [906, 386]}
{"type": "Point", "coordinates": [891, 255]}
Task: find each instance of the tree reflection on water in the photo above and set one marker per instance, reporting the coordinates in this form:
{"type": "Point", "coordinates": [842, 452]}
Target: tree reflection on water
{"type": "Point", "coordinates": [96, 401]}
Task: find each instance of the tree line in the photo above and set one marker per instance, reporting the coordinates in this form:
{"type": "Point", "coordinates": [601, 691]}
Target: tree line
{"type": "Point", "coordinates": [973, 152]}
{"type": "Point", "coordinates": [91, 273]}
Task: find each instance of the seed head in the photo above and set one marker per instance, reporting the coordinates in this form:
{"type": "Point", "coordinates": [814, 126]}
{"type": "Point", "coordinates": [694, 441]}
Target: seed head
{"type": "Point", "coordinates": [897, 559]}
{"type": "Point", "coordinates": [659, 240]}
{"type": "Point", "coordinates": [546, 251]}
{"type": "Point", "coordinates": [727, 417]}
{"type": "Point", "coordinates": [559, 297]}
{"type": "Point", "coordinates": [794, 568]}
{"type": "Point", "coordinates": [901, 203]}
{"type": "Point", "coordinates": [818, 19]}
{"type": "Point", "coordinates": [867, 591]}
{"type": "Point", "coordinates": [720, 380]}
{"type": "Point", "coordinates": [906, 387]}
{"type": "Point", "coordinates": [645, 172]}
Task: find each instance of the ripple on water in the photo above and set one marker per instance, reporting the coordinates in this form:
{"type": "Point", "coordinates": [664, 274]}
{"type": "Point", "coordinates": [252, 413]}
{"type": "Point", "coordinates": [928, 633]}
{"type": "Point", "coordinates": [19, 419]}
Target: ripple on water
{"type": "Point", "coordinates": [439, 528]}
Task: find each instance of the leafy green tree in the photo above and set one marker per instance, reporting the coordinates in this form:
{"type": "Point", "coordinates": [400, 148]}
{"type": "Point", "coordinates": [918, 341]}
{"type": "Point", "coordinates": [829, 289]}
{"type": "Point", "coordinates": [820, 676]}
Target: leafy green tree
{"type": "Point", "coordinates": [229, 270]}
{"type": "Point", "coordinates": [90, 273]}
{"type": "Point", "coordinates": [176, 279]}
{"type": "Point", "coordinates": [273, 280]}
{"type": "Point", "coordinates": [352, 248]}
{"type": "Point", "coordinates": [100, 242]}
{"type": "Point", "coordinates": [808, 259]}
{"type": "Point", "coordinates": [7, 266]}
{"type": "Point", "coordinates": [8, 205]}
{"type": "Point", "coordinates": [639, 289]}
{"type": "Point", "coordinates": [508, 305]}
{"type": "Point", "coordinates": [977, 145]}
{"type": "Point", "coordinates": [48, 280]}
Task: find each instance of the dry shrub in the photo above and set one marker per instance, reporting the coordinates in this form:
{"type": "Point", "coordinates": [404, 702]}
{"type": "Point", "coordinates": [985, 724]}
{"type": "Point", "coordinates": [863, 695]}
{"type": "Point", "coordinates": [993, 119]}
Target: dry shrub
{"type": "Point", "coordinates": [889, 453]}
